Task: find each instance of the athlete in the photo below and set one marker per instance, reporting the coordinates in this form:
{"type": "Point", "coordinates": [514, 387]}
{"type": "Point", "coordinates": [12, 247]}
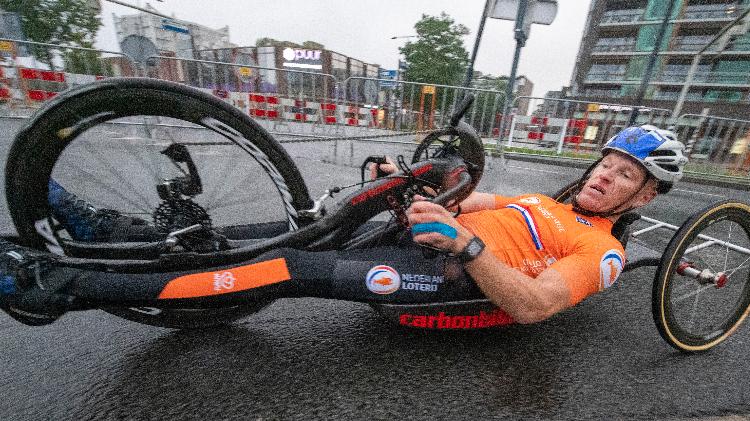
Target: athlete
{"type": "Point", "coordinates": [534, 257]}
{"type": "Point", "coordinates": [531, 256]}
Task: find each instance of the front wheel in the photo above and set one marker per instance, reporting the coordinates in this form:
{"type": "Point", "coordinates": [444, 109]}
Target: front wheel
{"type": "Point", "coordinates": [158, 153]}
{"type": "Point", "coordinates": [701, 292]}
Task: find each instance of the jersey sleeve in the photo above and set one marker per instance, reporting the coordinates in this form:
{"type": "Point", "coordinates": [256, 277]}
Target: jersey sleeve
{"type": "Point", "coordinates": [502, 201]}
{"type": "Point", "coordinates": [595, 264]}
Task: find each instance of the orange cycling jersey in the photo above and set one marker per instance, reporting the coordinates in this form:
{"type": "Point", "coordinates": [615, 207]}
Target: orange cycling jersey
{"type": "Point", "coordinates": [533, 232]}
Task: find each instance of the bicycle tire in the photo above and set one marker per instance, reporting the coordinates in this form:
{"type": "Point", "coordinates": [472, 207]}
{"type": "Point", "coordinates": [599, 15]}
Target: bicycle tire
{"type": "Point", "coordinates": [39, 146]}
{"type": "Point", "coordinates": [664, 307]}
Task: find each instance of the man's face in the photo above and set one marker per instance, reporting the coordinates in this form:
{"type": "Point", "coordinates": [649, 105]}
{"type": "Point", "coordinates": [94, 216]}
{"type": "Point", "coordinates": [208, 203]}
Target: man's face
{"type": "Point", "coordinates": [612, 185]}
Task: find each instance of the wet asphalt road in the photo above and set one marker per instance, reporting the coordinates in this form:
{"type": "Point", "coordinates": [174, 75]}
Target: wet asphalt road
{"type": "Point", "coordinates": [322, 359]}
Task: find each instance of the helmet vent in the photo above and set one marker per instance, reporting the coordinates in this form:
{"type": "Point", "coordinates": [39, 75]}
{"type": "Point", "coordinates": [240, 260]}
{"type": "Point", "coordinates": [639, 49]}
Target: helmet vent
{"type": "Point", "coordinates": [663, 152]}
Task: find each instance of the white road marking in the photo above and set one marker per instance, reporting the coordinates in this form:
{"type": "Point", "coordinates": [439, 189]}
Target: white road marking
{"type": "Point", "coordinates": [703, 193]}
{"type": "Point", "coordinates": [533, 169]}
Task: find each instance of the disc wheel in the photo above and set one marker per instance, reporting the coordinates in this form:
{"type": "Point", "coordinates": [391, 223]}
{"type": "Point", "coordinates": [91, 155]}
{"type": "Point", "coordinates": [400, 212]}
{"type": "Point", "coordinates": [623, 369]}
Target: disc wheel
{"type": "Point", "coordinates": [113, 143]}
{"type": "Point", "coordinates": [693, 314]}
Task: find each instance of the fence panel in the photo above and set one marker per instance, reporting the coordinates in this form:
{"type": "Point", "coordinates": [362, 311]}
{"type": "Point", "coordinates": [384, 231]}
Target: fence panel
{"type": "Point", "coordinates": [563, 125]}
{"type": "Point", "coordinates": [33, 72]}
{"type": "Point", "coordinates": [287, 100]}
{"type": "Point", "coordinates": [715, 145]}
{"type": "Point", "coordinates": [400, 106]}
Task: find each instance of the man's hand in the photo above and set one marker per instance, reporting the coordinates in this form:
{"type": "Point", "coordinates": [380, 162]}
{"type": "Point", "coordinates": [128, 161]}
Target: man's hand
{"type": "Point", "coordinates": [437, 236]}
{"type": "Point", "coordinates": [389, 168]}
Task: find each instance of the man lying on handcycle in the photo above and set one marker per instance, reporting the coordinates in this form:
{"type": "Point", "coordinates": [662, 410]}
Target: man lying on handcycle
{"type": "Point", "coordinates": [544, 256]}
{"type": "Point", "coordinates": [569, 249]}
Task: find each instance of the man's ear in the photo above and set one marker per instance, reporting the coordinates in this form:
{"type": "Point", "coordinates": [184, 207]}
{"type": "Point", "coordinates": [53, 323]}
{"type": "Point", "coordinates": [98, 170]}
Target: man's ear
{"type": "Point", "coordinates": [646, 195]}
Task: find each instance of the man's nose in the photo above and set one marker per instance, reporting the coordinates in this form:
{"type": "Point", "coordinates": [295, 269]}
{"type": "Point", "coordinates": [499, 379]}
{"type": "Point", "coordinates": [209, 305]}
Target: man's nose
{"type": "Point", "coordinates": [607, 175]}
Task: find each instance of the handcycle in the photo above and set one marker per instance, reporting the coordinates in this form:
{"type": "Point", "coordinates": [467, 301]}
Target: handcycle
{"type": "Point", "coordinates": [153, 233]}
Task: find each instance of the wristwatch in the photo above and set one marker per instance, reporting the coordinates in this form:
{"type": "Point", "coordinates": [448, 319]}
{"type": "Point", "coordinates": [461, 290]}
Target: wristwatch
{"type": "Point", "coordinates": [473, 249]}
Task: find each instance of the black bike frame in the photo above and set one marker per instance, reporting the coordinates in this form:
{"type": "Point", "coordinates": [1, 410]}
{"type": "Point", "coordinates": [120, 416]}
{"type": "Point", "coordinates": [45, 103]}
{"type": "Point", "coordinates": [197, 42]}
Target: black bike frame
{"type": "Point", "coordinates": [321, 259]}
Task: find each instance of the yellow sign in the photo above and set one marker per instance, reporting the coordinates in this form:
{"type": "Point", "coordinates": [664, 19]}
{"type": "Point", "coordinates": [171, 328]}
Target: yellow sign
{"type": "Point", "coordinates": [593, 108]}
{"type": "Point", "coordinates": [245, 71]}
{"type": "Point", "coordinates": [6, 46]}
{"type": "Point", "coordinates": [428, 89]}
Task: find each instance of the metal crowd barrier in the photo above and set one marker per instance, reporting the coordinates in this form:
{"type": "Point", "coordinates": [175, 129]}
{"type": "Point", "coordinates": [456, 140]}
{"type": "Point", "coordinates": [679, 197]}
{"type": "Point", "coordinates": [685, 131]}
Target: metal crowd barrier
{"type": "Point", "coordinates": [33, 72]}
{"type": "Point", "coordinates": [716, 145]}
{"type": "Point", "coordinates": [414, 107]}
{"type": "Point", "coordinates": [564, 125]}
{"type": "Point", "coordinates": [319, 107]}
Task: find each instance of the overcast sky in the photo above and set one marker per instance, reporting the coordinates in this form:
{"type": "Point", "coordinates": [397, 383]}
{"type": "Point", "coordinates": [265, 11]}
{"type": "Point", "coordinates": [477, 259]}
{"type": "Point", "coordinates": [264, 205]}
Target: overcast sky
{"type": "Point", "coordinates": [363, 30]}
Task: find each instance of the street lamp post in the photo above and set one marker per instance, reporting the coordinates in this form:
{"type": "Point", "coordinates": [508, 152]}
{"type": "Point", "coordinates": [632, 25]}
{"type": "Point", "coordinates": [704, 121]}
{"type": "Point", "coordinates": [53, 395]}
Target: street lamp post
{"type": "Point", "coordinates": [395, 102]}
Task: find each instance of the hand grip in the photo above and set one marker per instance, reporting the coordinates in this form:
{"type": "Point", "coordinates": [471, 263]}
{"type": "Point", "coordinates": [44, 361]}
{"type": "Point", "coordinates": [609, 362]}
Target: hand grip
{"type": "Point", "coordinates": [462, 108]}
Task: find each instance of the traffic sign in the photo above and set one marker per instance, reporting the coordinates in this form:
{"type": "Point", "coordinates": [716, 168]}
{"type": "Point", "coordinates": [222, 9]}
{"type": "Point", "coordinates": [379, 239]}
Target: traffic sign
{"type": "Point", "coordinates": [388, 74]}
{"type": "Point", "coordinates": [170, 25]}
{"type": "Point", "coordinates": [428, 89]}
{"type": "Point", "coordinates": [244, 72]}
{"type": "Point", "coordinates": [6, 46]}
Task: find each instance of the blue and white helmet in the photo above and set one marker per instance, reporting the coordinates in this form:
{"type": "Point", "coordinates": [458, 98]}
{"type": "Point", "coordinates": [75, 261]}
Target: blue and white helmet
{"type": "Point", "coordinates": [656, 149]}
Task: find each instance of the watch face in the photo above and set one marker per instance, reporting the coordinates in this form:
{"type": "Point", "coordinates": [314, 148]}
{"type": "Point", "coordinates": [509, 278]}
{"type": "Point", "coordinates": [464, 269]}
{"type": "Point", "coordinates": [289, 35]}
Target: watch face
{"type": "Point", "coordinates": [474, 248]}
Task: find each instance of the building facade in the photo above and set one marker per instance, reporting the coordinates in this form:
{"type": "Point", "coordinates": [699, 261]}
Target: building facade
{"type": "Point", "coordinates": [289, 70]}
{"type": "Point", "coordinates": [620, 36]}
{"type": "Point", "coordinates": [179, 38]}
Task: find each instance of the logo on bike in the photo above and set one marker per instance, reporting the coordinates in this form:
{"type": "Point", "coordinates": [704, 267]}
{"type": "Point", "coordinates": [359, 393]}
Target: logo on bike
{"type": "Point", "coordinates": [223, 281]}
{"type": "Point", "coordinates": [610, 268]}
{"type": "Point", "coordinates": [383, 280]}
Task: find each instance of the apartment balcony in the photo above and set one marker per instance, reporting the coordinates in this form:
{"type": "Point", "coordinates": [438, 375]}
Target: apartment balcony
{"type": "Point", "coordinates": [619, 17]}
{"type": "Point", "coordinates": [693, 44]}
{"type": "Point", "coordinates": [700, 79]}
{"type": "Point", "coordinates": [709, 79]}
{"type": "Point", "coordinates": [614, 48]}
{"type": "Point", "coordinates": [675, 95]}
{"type": "Point", "coordinates": [711, 12]}
{"type": "Point", "coordinates": [695, 13]}
{"type": "Point", "coordinates": [616, 78]}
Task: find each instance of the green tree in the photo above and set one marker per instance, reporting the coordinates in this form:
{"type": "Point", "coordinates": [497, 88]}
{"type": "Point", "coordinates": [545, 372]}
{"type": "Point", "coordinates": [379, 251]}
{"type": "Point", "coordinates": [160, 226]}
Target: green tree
{"type": "Point", "coordinates": [87, 62]}
{"type": "Point", "coordinates": [66, 22]}
{"type": "Point", "coordinates": [438, 55]}
{"type": "Point", "coordinates": [62, 22]}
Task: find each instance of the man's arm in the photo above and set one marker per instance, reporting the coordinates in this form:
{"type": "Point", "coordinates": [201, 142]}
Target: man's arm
{"type": "Point", "coordinates": [526, 299]}
{"type": "Point", "coordinates": [477, 202]}
{"type": "Point", "coordinates": [473, 203]}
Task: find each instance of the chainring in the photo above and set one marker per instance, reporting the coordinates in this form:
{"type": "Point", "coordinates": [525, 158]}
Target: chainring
{"type": "Point", "coordinates": [175, 214]}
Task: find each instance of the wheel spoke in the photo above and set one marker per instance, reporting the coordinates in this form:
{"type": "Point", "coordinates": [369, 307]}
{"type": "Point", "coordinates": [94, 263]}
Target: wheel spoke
{"type": "Point", "coordinates": [695, 310]}
{"type": "Point", "coordinates": [693, 293]}
{"type": "Point", "coordinates": [726, 254]}
{"type": "Point", "coordinates": [119, 176]}
{"type": "Point", "coordinates": [738, 267]}
{"type": "Point", "coordinates": [92, 179]}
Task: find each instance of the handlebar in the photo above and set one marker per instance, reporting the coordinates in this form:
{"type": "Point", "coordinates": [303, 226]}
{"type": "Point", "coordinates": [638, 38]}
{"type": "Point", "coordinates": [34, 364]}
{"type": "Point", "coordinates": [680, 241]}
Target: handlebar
{"type": "Point", "coordinates": [449, 194]}
{"type": "Point", "coordinates": [462, 108]}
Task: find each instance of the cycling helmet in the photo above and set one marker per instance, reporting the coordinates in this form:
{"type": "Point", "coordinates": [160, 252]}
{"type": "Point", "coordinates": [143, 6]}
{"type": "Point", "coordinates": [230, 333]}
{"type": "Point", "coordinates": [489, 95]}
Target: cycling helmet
{"type": "Point", "coordinates": [656, 149]}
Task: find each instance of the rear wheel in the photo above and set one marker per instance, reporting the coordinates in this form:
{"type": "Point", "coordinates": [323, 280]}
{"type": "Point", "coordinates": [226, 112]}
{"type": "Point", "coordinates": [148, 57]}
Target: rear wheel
{"type": "Point", "coordinates": [701, 291]}
{"type": "Point", "coordinates": [158, 153]}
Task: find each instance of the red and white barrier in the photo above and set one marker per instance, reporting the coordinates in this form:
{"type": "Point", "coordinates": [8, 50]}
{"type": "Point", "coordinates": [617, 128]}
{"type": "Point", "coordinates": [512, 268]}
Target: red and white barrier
{"type": "Point", "coordinates": [263, 106]}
